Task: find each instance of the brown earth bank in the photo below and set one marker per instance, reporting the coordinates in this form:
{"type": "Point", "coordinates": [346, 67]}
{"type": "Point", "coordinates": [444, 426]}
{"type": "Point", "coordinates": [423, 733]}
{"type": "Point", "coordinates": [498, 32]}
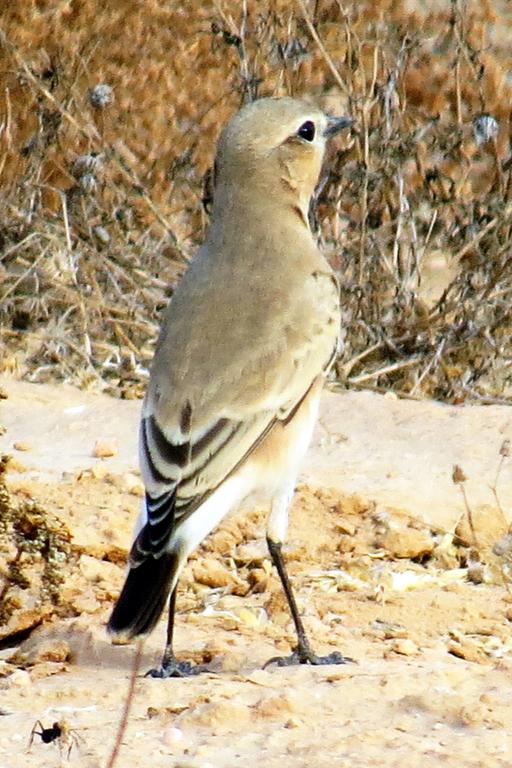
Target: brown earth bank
{"type": "Point", "coordinates": [424, 614]}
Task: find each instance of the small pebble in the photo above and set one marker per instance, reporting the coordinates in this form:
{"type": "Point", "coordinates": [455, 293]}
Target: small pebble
{"type": "Point", "coordinates": [128, 482]}
{"type": "Point", "coordinates": [405, 647]}
{"type": "Point", "coordinates": [99, 471]}
{"type": "Point", "coordinates": [172, 736]}
{"type": "Point", "coordinates": [104, 449]}
{"type": "Point", "coordinates": [22, 445]}
{"type": "Point", "coordinates": [20, 678]}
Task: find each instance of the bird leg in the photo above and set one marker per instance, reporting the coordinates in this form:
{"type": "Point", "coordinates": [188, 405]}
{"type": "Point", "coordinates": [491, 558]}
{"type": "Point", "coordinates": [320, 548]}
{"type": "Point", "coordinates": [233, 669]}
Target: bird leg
{"type": "Point", "coordinates": [302, 653]}
{"type": "Point", "coordinates": [170, 666]}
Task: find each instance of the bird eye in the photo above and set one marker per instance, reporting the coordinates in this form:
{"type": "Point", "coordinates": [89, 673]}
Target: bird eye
{"type": "Point", "coordinates": [307, 131]}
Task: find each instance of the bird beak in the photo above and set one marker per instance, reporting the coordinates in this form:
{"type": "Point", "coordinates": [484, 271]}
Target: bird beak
{"type": "Point", "coordinates": [336, 124]}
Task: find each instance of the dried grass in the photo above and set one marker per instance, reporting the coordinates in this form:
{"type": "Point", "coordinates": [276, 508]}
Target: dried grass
{"type": "Point", "coordinates": [102, 190]}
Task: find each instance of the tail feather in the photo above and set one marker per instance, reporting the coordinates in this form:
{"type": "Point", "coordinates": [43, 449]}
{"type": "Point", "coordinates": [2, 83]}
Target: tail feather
{"type": "Point", "coordinates": [143, 597]}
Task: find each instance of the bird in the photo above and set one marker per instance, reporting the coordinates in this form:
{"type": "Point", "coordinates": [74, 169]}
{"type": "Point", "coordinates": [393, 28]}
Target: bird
{"type": "Point", "coordinates": [247, 340]}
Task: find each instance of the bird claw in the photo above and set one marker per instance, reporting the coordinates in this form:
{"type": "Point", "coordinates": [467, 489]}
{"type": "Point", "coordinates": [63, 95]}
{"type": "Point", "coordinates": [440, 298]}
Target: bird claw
{"type": "Point", "coordinates": [176, 669]}
{"type": "Point", "coordinates": [304, 655]}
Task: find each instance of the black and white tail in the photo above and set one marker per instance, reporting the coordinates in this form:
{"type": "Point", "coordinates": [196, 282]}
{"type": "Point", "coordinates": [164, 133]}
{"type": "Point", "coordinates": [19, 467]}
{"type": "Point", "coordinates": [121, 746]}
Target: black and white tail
{"type": "Point", "coordinates": [144, 596]}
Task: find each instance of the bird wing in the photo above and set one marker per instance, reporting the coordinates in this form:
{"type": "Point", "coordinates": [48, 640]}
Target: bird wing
{"type": "Point", "coordinates": [192, 437]}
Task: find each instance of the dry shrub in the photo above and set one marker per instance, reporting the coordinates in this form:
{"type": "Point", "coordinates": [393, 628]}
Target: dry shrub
{"type": "Point", "coordinates": [102, 188]}
{"type": "Point", "coordinates": [35, 558]}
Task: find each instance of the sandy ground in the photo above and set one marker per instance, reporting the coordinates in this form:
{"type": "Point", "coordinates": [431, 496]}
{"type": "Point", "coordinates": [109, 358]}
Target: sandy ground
{"type": "Point", "coordinates": [377, 572]}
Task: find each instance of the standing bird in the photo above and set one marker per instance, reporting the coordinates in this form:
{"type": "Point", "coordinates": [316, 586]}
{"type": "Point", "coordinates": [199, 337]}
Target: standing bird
{"type": "Point", "coordinates": [246, 343]}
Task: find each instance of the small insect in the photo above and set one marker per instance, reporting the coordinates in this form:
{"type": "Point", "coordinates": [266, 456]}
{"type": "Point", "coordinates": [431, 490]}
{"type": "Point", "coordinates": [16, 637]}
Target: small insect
{"type": "Point", "coordinates": [60, 732]}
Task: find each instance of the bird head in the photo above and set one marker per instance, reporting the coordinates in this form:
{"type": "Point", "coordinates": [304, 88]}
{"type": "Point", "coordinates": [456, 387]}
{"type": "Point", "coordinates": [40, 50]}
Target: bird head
{"type": "Point", "coordinates": [275, 144]}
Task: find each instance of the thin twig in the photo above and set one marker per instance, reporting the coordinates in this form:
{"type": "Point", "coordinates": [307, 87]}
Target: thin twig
{"type": "Point", "coordinates": [504, 454]}
{"type": "Point", "coordinates": [381, 371]}
{"type": "Point", "coordinates": [127, 706]}
{"type": "Point", "coordinates": [433, 360]}
{"type": "Point", "coordinates": [22, 277]}
{"type": "Point", "coordinates": [325, 54]}
{"type": "Point", "coordinates": [346, 366]}
{"type": "Point", "coordinates": [459, 479]}
{"type": "Point", "coordinates": [65, 218]}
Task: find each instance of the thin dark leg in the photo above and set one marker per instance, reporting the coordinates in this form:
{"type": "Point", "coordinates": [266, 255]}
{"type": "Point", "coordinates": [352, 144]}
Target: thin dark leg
{"type": "Point", "coordinates": [168, 659]}
{"type": "Point", "coordinates": [303, 653]}
{"type": "Point", "coordinates": [278, 560]}
{"type": "Point", "coordinates": [170, 666]}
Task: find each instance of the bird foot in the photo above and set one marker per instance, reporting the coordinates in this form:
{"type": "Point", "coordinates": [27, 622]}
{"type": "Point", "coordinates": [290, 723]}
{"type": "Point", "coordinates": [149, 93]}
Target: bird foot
{"type": "Point", "coordinates": [174, 668]}
{"type": "Point", "coordinates": [303, 654]}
